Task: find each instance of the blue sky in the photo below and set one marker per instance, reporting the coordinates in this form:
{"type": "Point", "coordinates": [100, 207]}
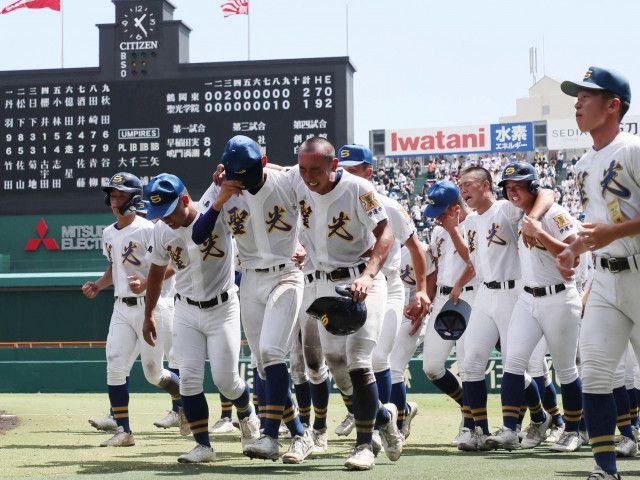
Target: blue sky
{"type": "Point", "coordinates": [419, 63]}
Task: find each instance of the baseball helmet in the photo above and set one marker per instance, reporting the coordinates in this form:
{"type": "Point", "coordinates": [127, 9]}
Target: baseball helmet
{"type": "Point", "coordinates": [128, 183]}
{"type": "Point", "coordinates": [520, 172]}
{"type": "Point", "coordinates": [242, 160]}
{"type": "Point", "coordinates": [339, 315]}
{"type": "Point", "coordinates": [452, 320]}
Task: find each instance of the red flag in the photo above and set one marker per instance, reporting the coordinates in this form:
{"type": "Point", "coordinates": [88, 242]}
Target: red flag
{"type": "Point", "coordinates": [235, 7]}
{"type": "Point", "coordinates": [52, 4]}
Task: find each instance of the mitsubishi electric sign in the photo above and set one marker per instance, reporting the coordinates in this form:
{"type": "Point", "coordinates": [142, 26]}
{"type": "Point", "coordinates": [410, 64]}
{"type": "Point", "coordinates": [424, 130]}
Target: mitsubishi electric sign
{"type": "Point", "coordinates": [68, 237]}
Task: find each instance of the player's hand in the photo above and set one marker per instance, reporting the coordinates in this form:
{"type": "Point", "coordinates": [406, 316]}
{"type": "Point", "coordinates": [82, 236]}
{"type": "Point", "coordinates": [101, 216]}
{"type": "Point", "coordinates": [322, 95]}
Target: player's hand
{"type": "Point", "coordinates": [299, 256]}
{"type": "Point", "coordinates": [415, 326]}
{"type": "Point", "coordinates": [218, 175]}
{"type": "Point", "coordinates": [418, 308]}
{"type": "Point", "coordinates": [531, 229]}
{"type": "Point", "coordinates": [149, 331]}
{"type": "Point", "coordinates": [455, 293]}
{"type": "Point", "coordinates": [228, 189]}
{"type": "Point", "coordinates": [90, 289]}
{"type": "Point", "coordinates": [360, 286]}
{"type": "Point", "coordinates": [449, 220]}
{"type": "Point", "coordinates": [137, 284]}
{"type": "Point", "coordinates": [566, 263]}
{"type": "Point", "coordinates": [597, 235]}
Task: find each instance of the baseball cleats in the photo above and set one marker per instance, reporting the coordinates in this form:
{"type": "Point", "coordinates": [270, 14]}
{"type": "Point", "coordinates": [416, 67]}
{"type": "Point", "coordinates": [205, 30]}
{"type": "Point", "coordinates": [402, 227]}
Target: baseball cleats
{"type": "Point", "coordinates": [106, 424]}
{"type": "Point", "coordinates": [376, 442]}
{"type": "Point", "coordinates": [584, 436]}
{"type": "Point", "coordinates": [223, 426]}
{"type": "Point", "coordinates": [265, 448]}
{"type": "Point", "coordinates": [168, 421]}
{"type": "Point", "coordinates": [481, 439]}
{"type": "Point", "coordinates": [346, 426]}
{"type": "Point", "coordinates": [636, 432]}
{"type": "Point", "coordinates": [120, 439]}
{"type": "Point", "coordinates": [599, 474]}
{"type": "Point", "coordinates": [301, 447]}
{"type": "Point", "coordinates": [249, 429]}
{"type": "Point", "coordinates": [505, 438]}
{"type": "Point", "coordinates": [455, 441]}
{"type": "Point", "coordinates": [536, 433]}
{"type": "Point", "coordinates": [361, 459]}
{"type": "Point", "coordinates": [408, 418]}
{"type": "Point", "coordinates": [283, 431]}
{"type": "Point", "coordinates": [392, 440]}
{"type": "Point", "coordinates": [626, 447]}
{"type": "Point", "coordinates": [555, 433]}
{"type": "Point", "coordinates": [320, 440]}
{"type": "Point", "coordinates": [199, 454]}
{"type": "Point", "coordinates": [467, 440]}
{"type": "Point", "coordinates": [183, 423]}
{"type": "Point", "coordinates": [568, 442]}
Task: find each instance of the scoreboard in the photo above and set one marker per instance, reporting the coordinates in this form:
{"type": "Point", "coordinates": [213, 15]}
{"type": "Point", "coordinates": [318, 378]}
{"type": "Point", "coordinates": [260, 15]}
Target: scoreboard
{"type": "Point", "coordinates": [147, 110]}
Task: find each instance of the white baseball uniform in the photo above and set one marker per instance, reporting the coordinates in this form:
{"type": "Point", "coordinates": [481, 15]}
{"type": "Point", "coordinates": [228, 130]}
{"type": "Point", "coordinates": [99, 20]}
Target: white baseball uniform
{"type": "Point", "coordinates": [450, 267]}
{"type": "Point", "coordinates": [402, 227]}
{"type": "Point", "coordinates": [265, 226]}
{"type": "Point", "coordinates": [495, 259]}
{"type": "Point", "coordinates": [609, 184]}
{"type": "Point", "coordinates": [125, 249]}
{"type": "Point", "coordinates": [339, 229]}
{"type": "Point", "coordinates": [548, 306]}
{"type": "Point", "coordinates": [207, 311]}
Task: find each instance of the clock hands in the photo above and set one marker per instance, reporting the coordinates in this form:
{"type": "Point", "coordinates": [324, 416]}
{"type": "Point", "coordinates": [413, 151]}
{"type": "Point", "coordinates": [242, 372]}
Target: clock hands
{"type": "Point", "coordinates": [138, 23]}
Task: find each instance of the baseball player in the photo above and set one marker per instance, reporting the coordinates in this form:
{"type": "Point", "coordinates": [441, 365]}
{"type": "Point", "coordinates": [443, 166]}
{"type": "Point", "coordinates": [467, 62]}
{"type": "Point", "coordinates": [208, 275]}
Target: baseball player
{"type": "Point", "coordinates": [450, 251]}
{"type": "Point", "coordinates": [259, 208]}
{"type": "Point", "coordinates": [206, 321]}
{"type": "Point", "coordinates": [124, 244]}
{"type": "Point", "coordinates": [496, 265]}
{"type": "Point", "coordinates": [349, 240]}
{"type": "Point", "coordinates": [409, 337]}
{"type": "Point", "coordinates": [607, 179]}
{"type": "Point", "coordinates": [547, 307]}
{"type": "Point", "coordinates": [357, 160]}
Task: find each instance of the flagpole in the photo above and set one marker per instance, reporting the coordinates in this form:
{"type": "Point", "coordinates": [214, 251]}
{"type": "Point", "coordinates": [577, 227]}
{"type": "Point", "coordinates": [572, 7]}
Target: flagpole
{"type": "Point", "coordinates": [248, 33]}
{"type": "Point", "coordinates": [61, 34]}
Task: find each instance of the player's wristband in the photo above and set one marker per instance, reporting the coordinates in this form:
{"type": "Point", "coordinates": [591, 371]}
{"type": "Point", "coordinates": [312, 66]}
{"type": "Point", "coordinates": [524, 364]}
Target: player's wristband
{"type": "Point", "coordinates": [204, 226]}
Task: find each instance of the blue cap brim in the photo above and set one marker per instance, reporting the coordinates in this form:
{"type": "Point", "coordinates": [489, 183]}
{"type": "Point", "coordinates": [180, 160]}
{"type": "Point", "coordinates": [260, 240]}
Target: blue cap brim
{"type": "Point", "coordinates": [160, 211]}
{"type": "Point", "coordinates": [433, 211]}
{"type": "Point", "coordinates": [351, 163]}
{"type": "Point", "coordinates": [573, 88]}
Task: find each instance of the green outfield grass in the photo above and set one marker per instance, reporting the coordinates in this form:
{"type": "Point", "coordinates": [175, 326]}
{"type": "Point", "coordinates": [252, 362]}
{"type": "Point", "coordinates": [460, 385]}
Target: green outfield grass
{"type": "Point", "coordinates": [54, 440]}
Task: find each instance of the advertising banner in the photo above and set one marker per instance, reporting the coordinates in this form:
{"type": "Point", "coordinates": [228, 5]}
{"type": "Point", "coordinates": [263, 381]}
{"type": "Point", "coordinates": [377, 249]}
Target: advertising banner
{"type": "Point", "coordinates": [564, 134]}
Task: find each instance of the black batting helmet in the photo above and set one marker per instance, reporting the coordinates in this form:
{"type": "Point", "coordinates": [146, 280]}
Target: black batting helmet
{"type": "Point", "coordinates": [520, 172]}
{"type": "Point", "coordinates": [339, 315]}
{"type": "Point", "coordinates": [128, 183]}
{"type": "Point", "coordinates": [452, 320]}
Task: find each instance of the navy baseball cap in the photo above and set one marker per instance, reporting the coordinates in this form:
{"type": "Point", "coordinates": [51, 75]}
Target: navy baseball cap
{"type": "Point", "coordinates": [440, 196]}
{"type": "Point", "coordinates": [598, 78]}
{"type": "Point", "coordinates": [242, 160]}
{"type": "Point", "coordinates": [163, 193]}
{"type": "Point", "coordinates": [352, 155]}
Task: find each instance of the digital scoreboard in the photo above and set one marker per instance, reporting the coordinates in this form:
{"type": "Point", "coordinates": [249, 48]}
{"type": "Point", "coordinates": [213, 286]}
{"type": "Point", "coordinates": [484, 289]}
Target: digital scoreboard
{"type": "Point", "coordinates": [146, 110]}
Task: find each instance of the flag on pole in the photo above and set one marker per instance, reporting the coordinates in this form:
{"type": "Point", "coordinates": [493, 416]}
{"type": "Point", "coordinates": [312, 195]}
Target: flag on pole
{"type": "Point", "coordinates": [52, 4]}
{"type": "Point", "coordinates": [235, 7]}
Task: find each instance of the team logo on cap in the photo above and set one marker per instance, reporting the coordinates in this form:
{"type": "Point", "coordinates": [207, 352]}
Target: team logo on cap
{"type": "Point", "coordinates": [117, 179]}
{"type": "Point", "coordinates": [510, 171]}
{"type": "Point", "coordinates": [588, 74]}
{"type": "Point", "coordinates": [155, 199]}
{"type": "Point", "coordinates": [324, 320]}
{"type": "Point", "coordinates": [430, 201]}
{"type": "Point", "coordinates": [241, 172]}
{"type": "Point", "coordinates": [345, 153]}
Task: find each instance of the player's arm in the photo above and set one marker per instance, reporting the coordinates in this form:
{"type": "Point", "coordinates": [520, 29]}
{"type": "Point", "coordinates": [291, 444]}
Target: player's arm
{"type": "Point", "coordinates": [154, 287]}
{"type": "Point", "coordinates": [534, 229]}
{"type": "Point", "coordinates": [206, 222]}
{"type": "Point", "coordinates": [599, 235]}
{"type": "Point", "coordinates": [91, 289]}
{"type": "Point", "coordinates": [544, 199]}
{"type": "Point", "coordinates": [419, 307]}
{"type": "Point", "coordinates": [432, 284]}
{"type": "Point", "coordinates": [467, 274]}
{"type": "Point", "coordinates": [379, 253]}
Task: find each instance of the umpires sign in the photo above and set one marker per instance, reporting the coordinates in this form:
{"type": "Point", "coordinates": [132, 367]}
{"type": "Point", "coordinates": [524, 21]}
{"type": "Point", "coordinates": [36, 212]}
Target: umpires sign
{"type": "Point", "coordinates": [147, 110]}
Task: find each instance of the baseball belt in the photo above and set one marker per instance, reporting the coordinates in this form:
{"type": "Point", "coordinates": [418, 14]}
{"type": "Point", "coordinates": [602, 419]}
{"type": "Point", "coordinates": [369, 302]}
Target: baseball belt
{"type": "Point", "coordinates": [340, 273]}
{"type": "Point", "coordinates": [130, 301]}
{"type": "Point", "coordinates": [444, 290]}
{"type": "Point", "coordinates": [223, 297]}
{"type": "Point", "coordinates": [544, 291]}
{"type": "Point", "coordinates": [508, 285]}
